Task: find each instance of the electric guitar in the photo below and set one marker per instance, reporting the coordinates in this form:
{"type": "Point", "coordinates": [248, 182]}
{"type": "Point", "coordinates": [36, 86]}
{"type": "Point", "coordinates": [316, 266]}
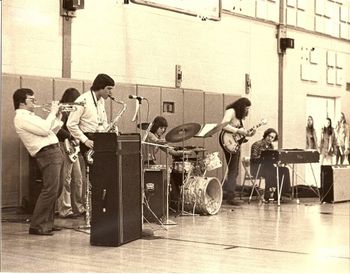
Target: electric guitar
{"type": "Point", "coordinates": [72, 148]}
{"type": "Point", "coordinates": [231, 142]}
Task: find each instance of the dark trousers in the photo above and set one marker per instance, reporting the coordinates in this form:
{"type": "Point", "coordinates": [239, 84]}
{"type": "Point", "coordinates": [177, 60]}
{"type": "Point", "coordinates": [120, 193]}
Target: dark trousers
{"type": "Point", "coordinates": [269, 172]}
{"type": "Point", "coordinates": [232, 160]}
{"type": "Point", "coordinates": [50, 163]}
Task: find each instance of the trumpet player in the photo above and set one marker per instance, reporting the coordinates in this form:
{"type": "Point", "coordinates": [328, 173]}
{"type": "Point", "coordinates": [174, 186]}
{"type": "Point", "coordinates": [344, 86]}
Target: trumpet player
{"type": "Point", "coordinates": [92, 117]}
{"type": "Point", "coordinates": [39, 138]}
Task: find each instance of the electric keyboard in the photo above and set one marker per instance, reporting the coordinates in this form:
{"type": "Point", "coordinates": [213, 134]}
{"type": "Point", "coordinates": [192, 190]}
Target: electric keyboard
{"type": "Point", "coordinates": [290, 156]}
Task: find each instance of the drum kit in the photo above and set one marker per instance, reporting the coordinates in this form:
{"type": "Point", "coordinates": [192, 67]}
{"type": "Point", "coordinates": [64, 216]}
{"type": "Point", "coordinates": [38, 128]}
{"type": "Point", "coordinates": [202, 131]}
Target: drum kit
{"type": "Point", "coordinates": [199, 194]}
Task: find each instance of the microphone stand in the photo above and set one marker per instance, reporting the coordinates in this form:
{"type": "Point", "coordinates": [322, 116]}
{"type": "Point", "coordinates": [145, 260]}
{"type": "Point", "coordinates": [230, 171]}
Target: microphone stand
{"type": "Point", "coordinates": [167, 221]}
{"type": "Point", "coordinates": [138, 116]}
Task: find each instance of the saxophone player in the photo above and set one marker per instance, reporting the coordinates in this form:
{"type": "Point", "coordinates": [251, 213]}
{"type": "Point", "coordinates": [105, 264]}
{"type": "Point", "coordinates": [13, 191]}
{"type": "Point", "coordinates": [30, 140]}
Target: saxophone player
{"type": "Point", "coordinates": [92, 117]}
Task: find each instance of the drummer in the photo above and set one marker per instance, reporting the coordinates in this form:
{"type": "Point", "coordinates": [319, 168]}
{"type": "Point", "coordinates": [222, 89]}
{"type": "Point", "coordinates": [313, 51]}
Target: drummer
{"type": "Point", "coordinates": [155, 136]}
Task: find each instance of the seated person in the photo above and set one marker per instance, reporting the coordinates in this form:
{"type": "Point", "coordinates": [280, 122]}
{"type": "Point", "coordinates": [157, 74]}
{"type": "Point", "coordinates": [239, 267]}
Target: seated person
{"type": "Point", "coordinates": [158, 128]}
{"type": "Point", "coordinates": [267, 169]}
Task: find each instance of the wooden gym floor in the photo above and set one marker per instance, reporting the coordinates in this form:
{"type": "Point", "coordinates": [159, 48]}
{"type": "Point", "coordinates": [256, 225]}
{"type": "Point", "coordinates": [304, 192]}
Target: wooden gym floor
{"type": "Point", "coordinates": [252, 238]}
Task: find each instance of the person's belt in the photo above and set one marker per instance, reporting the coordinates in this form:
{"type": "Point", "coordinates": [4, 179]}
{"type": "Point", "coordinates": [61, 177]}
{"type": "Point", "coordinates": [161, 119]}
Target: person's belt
{"type": "Point", "coordinates": [49, 147]}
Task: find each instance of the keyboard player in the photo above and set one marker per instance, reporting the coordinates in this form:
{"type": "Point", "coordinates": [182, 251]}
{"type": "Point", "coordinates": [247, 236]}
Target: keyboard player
{"type": "Point", "coordinates": [267, 168]}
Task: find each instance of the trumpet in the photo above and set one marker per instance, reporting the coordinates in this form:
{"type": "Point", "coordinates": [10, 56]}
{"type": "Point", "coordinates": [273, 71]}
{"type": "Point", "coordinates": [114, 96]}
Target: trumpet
{"type": "Point", "coordinates": [64, 107]}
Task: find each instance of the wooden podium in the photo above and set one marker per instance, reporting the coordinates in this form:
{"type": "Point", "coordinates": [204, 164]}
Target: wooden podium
{"type": "Point", "coordinates": [115, 177]}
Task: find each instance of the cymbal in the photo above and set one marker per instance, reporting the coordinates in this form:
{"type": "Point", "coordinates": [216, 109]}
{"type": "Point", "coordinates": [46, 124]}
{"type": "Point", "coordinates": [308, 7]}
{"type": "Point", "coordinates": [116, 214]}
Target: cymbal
{"type": "Point", "coordinates": [143, 126]}
{"type": "Point", "coordinates": [183, 132]}
{"type": "Point", "coordinates": [216, 129]}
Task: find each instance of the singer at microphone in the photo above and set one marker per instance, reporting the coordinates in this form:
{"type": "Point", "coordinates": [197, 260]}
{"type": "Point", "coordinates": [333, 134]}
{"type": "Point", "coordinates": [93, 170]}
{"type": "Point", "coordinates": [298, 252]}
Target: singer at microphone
{"type": "Point", "coordinates": [137, 97]}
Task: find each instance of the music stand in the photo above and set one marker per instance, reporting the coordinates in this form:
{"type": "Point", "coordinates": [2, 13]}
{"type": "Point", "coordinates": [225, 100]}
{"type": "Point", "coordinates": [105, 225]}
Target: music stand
{"type": "Point", "coordinates": [208, 130]}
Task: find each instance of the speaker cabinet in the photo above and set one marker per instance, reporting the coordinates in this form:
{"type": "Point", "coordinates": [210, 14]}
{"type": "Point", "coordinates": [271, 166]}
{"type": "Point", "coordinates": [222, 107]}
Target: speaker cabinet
{"type": "Point", "coordinates": [335, 184]}
{"type": "Point", "coordinates": [155, 192]}
{"type": "Point", "coordinates": [115, 177]}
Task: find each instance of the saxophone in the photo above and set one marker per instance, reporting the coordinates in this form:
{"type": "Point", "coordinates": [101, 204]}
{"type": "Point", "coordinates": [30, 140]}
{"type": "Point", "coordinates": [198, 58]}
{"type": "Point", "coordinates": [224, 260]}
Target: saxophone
{"type": "Point", "coordinates": [112, 127]}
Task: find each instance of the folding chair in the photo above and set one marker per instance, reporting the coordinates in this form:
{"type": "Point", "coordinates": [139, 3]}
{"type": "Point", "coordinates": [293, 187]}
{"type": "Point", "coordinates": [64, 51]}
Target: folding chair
{"type": "Point", "coordinates": [253, 180]}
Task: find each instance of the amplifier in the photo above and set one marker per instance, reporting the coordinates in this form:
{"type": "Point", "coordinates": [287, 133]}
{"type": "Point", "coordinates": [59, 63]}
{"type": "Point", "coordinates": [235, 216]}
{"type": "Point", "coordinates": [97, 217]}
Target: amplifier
{"type": "Point", "coordinates": [155, 194]}
{"type": "Point", "coordinates": [335, 185]}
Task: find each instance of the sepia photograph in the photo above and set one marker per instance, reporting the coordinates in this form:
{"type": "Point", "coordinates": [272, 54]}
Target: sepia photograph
{"type": "Point", "coordinates": [175, 136]}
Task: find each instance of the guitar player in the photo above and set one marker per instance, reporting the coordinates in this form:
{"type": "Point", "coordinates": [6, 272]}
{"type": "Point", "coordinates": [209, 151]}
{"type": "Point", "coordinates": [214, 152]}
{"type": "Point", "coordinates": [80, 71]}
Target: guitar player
{"type": "Point", "coordinates": [234, 114]}
{"type": "Point", "coordinates": [70, 203]}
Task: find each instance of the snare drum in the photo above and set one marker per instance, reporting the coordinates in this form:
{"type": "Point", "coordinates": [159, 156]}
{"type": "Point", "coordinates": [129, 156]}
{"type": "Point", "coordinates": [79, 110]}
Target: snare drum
{"type": "Point", "coordinates": [182, 166]}
{"type": "Point", "coordinates": [212, 161]}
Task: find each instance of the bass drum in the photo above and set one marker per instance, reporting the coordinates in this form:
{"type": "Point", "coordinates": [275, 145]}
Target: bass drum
{"type": "Point", "coordinates": [203, 195]}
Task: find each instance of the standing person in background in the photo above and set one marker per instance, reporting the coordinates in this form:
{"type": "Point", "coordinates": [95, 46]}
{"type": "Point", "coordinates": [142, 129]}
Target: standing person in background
{"type": "Point", "coordinates": [342, 139]}
{"type": "Point", "coordinates": [327, 143]}
{"type": "Point", "coordinates": [39, 138]}
{"type": "Point", "coordinates": [311, 138]}
{"type": "Point", "coordinates": [234, 115]}
{"type": "Point", "coordinates": [70, 203]}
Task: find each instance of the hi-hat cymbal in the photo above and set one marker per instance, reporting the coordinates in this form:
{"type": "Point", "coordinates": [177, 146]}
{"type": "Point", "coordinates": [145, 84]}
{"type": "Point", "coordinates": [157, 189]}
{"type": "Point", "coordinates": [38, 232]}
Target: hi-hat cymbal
{"type": "Point", "coordinates": [182, 133]}
{"type": "Point", "coordinates": [143, 126]}
{"type": "Point", "coordinates": [216, 129]}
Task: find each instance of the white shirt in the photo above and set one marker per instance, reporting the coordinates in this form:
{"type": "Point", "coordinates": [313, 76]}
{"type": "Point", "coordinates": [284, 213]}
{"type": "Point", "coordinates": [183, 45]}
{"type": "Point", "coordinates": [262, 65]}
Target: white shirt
{"type": "Point", "coordinates": [88, 117]}
{"type": "Point", "coordinates": [36, 132]}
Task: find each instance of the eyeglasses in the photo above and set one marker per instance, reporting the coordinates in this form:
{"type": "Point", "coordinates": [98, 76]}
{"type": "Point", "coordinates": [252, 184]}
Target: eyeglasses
{"type": "Point", "coordinates": [32, 99]}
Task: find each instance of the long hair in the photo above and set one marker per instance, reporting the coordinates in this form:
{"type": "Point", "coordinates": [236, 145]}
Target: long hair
{"type": "Point", "coordinates": [158, 122]}
{"type": "Point", "coordinates": [70, 95]}
{"type": "Point", "coordinates": [239, 107]}
{"type": "Point", "coordinates": [20, 96]}
{"type": "Point", "coordinates": [341, 123]}
{"type": "Point", "coordinates": [310, 128]}
{"type": "Point", "coordinates": [328, 129]}
{"type": "Point", "coordinates": [344, 119]}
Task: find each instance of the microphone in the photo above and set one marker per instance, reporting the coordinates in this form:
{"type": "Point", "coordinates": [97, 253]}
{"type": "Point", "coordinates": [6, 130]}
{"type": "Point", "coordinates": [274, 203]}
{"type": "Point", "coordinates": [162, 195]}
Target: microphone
{"type": "Point", "coordinates": [137, 97]}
